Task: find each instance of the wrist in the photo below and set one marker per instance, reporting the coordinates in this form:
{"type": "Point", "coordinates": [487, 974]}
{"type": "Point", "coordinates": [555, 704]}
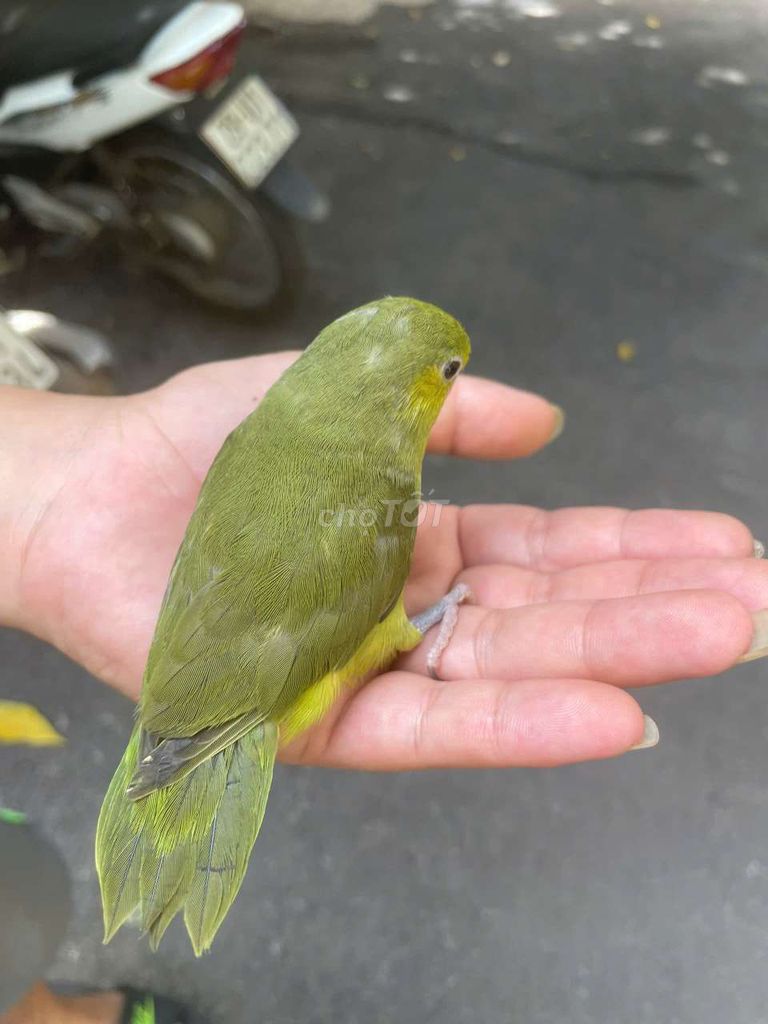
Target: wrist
{"type": "Point", "coordinates": [40, 436]}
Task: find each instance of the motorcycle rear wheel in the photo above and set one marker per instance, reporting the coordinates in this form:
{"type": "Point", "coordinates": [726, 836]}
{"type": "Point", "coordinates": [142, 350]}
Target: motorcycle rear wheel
{"type": "Point", "coordinates": [233, 249]}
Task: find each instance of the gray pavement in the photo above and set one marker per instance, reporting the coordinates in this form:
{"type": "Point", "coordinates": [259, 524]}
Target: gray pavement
{"type": "Point", "coordinates": [627, 892]}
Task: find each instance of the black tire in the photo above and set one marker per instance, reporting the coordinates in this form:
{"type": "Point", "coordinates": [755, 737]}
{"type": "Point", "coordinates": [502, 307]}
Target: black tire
{"type": "Point", "coordinates": [255, 265]}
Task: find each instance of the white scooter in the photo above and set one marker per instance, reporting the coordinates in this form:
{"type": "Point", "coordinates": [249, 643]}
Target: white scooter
{"type": "Point", "coordinates": [40, 351]}
{"type": "Point", "coordinates": [127, 116]}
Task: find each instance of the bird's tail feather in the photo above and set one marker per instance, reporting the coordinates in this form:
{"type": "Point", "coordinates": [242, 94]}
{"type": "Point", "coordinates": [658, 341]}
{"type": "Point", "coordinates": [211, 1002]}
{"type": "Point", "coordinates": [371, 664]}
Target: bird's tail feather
{"type": "Point", "coordinates": [184, 847]}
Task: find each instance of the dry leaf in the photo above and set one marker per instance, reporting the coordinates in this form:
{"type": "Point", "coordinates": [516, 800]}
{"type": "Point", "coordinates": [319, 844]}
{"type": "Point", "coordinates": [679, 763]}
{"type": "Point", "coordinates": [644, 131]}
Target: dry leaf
{"type": "Point", "coordinates": [626, 351]}
{"type": "Point", "coordinates": [23, 724]}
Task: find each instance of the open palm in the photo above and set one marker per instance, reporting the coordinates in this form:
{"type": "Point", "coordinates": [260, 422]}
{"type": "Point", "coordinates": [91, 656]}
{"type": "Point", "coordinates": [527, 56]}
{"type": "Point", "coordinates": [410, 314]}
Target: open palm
{"type": "Point", "coordinates": [569, 606]}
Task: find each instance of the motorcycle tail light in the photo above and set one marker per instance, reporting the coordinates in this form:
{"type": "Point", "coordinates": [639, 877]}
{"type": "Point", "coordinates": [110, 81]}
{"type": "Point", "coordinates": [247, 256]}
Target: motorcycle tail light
{"type": "Point", "coordinates": [210, 65]}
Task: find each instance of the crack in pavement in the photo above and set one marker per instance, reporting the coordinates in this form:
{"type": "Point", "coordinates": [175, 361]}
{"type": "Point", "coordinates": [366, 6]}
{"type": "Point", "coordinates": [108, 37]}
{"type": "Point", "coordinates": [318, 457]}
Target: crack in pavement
{"type": "Point", "coordinates": [353, 112]}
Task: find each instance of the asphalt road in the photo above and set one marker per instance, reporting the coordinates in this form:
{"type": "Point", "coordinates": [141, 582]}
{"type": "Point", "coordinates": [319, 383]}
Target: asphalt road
{"type": "Point", "coordinates": [561, 185]}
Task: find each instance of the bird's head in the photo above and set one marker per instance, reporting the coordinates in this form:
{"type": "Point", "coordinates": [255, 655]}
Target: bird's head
{"type": "Point", "coordinates": [395, 358]}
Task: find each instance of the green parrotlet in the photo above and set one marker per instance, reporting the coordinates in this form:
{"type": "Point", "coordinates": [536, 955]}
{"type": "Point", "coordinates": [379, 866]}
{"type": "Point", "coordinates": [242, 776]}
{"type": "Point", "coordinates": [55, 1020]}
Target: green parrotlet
{"type": "Point", "coordinates": [275, 603]}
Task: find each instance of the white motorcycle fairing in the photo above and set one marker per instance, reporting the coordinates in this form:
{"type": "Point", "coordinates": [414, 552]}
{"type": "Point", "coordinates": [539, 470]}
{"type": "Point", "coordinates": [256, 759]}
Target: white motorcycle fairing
{"type": "Point", "coordinates": [54, 113]}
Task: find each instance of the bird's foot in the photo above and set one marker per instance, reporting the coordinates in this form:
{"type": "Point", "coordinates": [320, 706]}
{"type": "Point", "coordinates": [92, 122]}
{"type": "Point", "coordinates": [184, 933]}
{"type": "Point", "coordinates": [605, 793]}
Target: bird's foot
{"type": "Point", "coordinates": [445, 612]}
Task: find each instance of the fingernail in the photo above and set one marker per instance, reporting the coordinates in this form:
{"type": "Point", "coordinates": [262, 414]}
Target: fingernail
{"type": "Point", "coordinates": [559, 423]}
{"type": "Point", "coordinates": [758, 549]}
{"type": "Point", "coordinates": [650, 734]}
{"type": "Point", "coordinates": [759, 646]}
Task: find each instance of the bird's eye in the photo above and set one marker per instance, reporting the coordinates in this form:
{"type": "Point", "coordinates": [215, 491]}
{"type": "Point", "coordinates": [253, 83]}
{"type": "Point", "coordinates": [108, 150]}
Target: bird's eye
{"type": "Point", "coordinates": [451, 368]}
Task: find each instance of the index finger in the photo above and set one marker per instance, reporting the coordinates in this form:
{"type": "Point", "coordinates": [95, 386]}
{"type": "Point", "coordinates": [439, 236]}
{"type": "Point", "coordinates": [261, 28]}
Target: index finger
{"type": "Point", "coordinates": [483, 419]}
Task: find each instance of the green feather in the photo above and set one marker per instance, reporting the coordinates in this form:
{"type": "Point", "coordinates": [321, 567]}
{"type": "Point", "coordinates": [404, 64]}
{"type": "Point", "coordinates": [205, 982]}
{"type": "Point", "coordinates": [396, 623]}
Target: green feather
{"type": "Point", "coordinates": [185, 847]}
{"type": "Point", "coordinates": [118, 856]}
{"type": "Point", "coordinates": [225, 850]}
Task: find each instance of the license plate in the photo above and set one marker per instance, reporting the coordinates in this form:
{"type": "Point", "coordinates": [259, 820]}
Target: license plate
{"type": "Point", "coordinates": [250, 131]}
{"type": "Point", "coordinates": [22, 363]}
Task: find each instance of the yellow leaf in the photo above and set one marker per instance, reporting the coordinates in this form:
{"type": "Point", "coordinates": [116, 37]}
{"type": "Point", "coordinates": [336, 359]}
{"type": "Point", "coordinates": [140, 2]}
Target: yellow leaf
{"type": "Point", "coordinates": [23, 724]}
{"type": "Point", "coordinates": [626, 351]}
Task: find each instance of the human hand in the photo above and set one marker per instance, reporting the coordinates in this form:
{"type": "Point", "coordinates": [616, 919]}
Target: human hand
{"type": "Point", "coordinates": [570, 606]}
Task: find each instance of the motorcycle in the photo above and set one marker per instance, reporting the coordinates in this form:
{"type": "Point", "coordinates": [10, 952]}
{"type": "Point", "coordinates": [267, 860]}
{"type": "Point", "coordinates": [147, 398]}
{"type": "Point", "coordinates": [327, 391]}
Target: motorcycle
{"type": "Point", "coordinates": [132, 119]}
{"type": "Point", "coordinates": [40, 351]}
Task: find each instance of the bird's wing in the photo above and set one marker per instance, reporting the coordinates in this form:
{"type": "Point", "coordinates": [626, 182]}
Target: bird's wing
{"type": "Point", "coordinates": [254, 615]}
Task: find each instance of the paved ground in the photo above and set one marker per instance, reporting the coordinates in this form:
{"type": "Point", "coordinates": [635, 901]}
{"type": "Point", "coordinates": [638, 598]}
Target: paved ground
{"type": "Point", "coordinates": [525, 197]}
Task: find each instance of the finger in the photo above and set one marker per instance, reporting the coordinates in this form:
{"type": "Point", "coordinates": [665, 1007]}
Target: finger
{"type": "Point", "coordinates": [404, 721]}
{"type": "Point", "coordinates": [483, 419]}
{"type": "Point", "coordinates": [577, 536]}
{"type": "Point", "coordinates": [629, 641]}
{"type": "Point", "coordinates": [507, 586]}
